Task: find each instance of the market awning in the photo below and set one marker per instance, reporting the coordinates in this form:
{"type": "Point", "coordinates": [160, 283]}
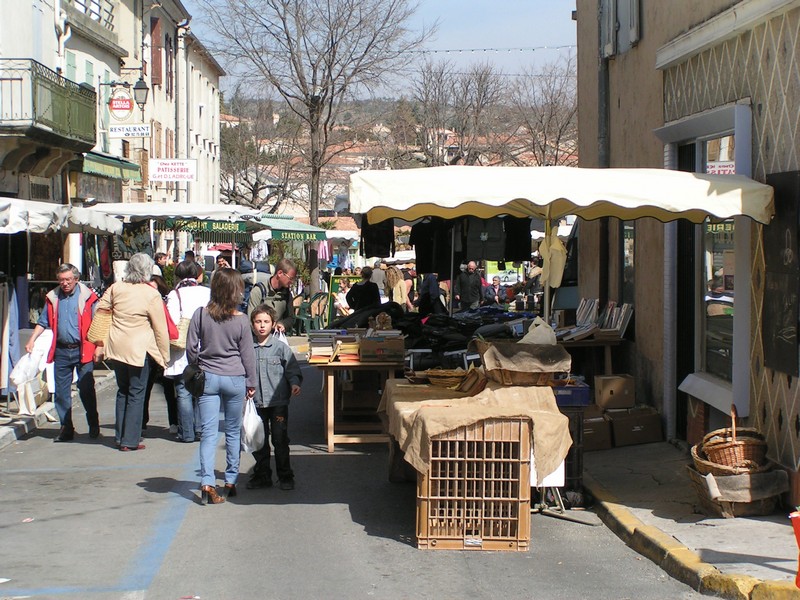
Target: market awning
{"type": "Point", "coordinates": [46, 217]}
{"type": "Point", "coordinates": [281, 227]}
{"type": "Point", "coordinates": [112, 166]}
{"type": "Point", "coordinates": [161, 211]}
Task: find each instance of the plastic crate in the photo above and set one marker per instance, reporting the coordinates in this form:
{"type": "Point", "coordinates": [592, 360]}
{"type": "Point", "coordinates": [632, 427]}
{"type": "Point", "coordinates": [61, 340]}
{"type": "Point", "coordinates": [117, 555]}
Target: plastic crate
{"type": "Point", "coordinates": [476, 494]}
{"type": "Point", "coordinates": [574, 462]}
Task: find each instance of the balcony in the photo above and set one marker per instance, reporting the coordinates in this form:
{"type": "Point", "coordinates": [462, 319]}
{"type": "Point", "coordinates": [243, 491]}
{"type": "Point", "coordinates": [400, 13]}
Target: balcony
{"type": "Point", "coordinates": [38, 103]}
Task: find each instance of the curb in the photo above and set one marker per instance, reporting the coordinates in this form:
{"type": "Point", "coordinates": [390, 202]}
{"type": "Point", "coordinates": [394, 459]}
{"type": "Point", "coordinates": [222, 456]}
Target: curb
{"type": "Point", "coordinates": [678, 561]}
{"type": "Point", "coordinates": [22, 425]}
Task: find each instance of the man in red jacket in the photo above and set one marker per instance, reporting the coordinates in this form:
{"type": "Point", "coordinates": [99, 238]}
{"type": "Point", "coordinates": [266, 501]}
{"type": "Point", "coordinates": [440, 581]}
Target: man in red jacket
{"type": "Point", "coordinates": [69, 310]}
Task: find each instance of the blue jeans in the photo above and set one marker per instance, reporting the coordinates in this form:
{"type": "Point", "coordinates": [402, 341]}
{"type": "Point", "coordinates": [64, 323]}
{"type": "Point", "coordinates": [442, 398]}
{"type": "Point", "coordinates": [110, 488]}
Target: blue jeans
{"type": "Point", "coordinates": [131, 386]}
{"type": "Point", "coordinates": [188, 414]}
{"type": "Point", "coordinates": [65, 361]}
{"type": "Point", "coordinates": [228, 390]}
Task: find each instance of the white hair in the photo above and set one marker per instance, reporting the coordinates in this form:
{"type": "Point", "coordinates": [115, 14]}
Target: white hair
{"type": "Point", "coordinates": [140, 268]}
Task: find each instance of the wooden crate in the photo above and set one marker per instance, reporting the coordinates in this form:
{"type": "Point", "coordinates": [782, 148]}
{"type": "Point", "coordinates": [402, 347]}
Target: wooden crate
{"type": "Point", "coordinates": [476, 494]}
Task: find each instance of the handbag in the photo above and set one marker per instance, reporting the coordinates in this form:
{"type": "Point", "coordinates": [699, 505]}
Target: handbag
{"type": "Point", "coordinates": [100, 326]}
{"type": "Point", "coordinates": [252, 436]}
{"type": "Point", "coordinates": [194, 378]}
{"type": "Point", "coordinates": [182, 326]}
{"type": "Point", "coordinates": [172, 330]}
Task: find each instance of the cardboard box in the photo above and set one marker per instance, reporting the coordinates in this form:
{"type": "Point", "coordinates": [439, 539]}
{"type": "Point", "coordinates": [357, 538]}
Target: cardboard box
{"type": "Point", "coordinates": [597, 434]}
{"type": "Point", "coordinates": [575, 394]}
{"type": "Point", "coordinates": [641, 425]}
{"type": "Point", "coordinates": [615, 391]}
{"type": "Point", "coordinates": [593, 411]}
{"type": "Point", "coordinates": [376, 349]}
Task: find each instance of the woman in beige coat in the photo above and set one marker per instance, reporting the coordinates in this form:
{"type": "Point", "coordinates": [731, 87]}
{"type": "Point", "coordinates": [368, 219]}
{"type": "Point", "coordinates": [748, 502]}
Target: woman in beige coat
{"type": "Point", "coordinates": [138, 329]}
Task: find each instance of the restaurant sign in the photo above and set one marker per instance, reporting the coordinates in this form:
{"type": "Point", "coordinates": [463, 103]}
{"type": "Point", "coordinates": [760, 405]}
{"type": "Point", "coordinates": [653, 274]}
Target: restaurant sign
{"type": "Point", "coordinates": [298, 236]}
{"type": "Point", "coordinates": [195, 225]}
{"type": "Point", "coordinates": [136, 130]}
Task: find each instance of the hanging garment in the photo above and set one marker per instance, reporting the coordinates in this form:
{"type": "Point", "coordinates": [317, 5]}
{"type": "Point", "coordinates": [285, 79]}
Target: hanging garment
{"type": "Point", "coordinates": [377, 239]}
{"type": "Point", "coordinates": [323, 250]}
{"type": "Point", "coordinates": [486, 239]}
{"type": "Point", "coordinates": [518, 238]}
{"type": "Point", "coordinates": [554, 255]}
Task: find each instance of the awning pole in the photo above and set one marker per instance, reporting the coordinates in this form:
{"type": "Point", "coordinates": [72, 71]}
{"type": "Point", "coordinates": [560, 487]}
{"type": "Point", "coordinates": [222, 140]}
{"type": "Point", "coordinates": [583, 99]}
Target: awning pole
{"type": "Point", "coordinates": [452, 267]}
{"type": "Point", "coordinates": [547, 283]}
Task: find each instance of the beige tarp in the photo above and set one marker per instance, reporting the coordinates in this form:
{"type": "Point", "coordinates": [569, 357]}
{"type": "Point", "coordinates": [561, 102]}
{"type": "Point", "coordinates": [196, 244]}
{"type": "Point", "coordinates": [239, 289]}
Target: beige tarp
{"type": "Point", "coordinates": [416, 413]}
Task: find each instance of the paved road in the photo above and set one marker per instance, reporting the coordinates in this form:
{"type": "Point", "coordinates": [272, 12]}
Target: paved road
{"type": "Point", "coordinates": [84, 521]}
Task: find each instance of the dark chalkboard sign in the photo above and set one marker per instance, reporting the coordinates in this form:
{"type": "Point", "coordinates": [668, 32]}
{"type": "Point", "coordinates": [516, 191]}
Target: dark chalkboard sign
{"type": "Point", "coordinates": [780, 236]}
{"type": "Point", "coordinates": [779, 322]}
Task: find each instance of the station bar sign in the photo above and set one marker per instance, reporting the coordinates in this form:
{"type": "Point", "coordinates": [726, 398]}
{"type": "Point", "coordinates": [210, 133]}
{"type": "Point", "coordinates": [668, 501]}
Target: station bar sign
{"type": "Point", "coordinates": [135, 130]}
{"type": "Point", "coordinates": [171, 169]}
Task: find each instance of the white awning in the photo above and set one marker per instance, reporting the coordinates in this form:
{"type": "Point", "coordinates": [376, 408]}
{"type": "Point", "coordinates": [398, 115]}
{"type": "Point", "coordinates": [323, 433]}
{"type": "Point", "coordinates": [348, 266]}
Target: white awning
{"type": "Point", "coordinates": [137, 211]}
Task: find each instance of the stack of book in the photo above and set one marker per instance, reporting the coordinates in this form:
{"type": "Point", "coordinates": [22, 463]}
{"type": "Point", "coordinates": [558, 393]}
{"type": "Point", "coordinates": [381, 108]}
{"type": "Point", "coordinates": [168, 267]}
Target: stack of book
{"type": "Point", "coordinates": [611, 323]}
{"type": "Point", "coordinates": [321, 344]}
{"type": "Point", "coordinates": [615, 320]}
{"type": "Point", "coordinates": [346, 349]}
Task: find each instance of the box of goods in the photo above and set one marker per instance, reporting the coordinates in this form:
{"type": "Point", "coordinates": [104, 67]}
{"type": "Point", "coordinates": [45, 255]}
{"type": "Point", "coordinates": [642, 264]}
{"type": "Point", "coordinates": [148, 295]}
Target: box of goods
{"type": "Point", "coordinates": [615, 391]}
{"type": "Point", "coordinates": [745, 495]}
{"type": "Point", "coordinates": [641, 425]}
{"type": "Point", "coordinates": [571, 392]}
{"type": "Point", "coordinates": [512, 363]}
{"type": "Point", "coordinates": [476, 493]}
{"type": "Point", "coordinates": [376, 349]}
{"type": "Point", "coordinates": [596, 433]}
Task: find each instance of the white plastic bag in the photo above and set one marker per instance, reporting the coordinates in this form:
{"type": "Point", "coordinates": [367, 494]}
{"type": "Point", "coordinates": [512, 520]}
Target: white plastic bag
{"type": "Point", "coordinates": [281, 337]}
{"type": "Point", "coordinates": [252, 428]}
{"type": "Point", "coordinates": [539, 333]}
{"type": "Point", "coordinates": [26, 369]}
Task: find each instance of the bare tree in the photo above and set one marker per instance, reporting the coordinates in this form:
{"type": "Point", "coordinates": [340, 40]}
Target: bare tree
{"type": "Point", "coordinates": [432, 92]}
{"type": "Point", "coordinates": [545, 105]}
{"type": "Point", "coordinates": [315, 54]}
{"type": "Point", "coordinates": [477, 94]}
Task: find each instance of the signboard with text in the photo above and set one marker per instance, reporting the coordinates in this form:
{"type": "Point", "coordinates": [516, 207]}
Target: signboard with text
{"type": "Point", "coordinates": [136, 130]}
{"type": "Point", "coordinates": [172, 169]}
{"type": "Point", "coordinates": [120, 105]}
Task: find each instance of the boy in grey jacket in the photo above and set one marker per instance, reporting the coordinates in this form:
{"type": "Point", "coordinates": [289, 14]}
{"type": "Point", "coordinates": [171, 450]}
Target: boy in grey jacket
{"type": "Point", "coordinates": [279, 378]}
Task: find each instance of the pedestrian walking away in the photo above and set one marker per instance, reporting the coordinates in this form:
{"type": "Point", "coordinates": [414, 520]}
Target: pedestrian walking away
{"type": "Point", "coordinates": [220, 341]}
{"type": "Point", "coordinates": [182, 302]}
{"type": "Point", "coordinates": [138, 330]}
{"type": "Point", "coordinates": [69, 311]}
{"type": "Point", "coordinates": [279, 378]}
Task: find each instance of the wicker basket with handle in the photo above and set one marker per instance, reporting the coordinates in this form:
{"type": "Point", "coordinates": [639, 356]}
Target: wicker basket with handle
{"type": "Point", "coordinates": [100, 326]}
{"type": "Point", "coordinates": [725, 447]}
{"type": "Point", "coordinates": [704, 466]}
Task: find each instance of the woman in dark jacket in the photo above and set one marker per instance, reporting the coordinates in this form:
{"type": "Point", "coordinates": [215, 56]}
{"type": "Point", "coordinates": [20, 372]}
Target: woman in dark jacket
{"type": "Point", "coordinates": [365, 293]}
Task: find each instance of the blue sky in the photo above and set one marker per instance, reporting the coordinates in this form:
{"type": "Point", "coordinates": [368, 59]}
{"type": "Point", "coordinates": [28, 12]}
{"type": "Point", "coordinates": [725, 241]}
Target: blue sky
{"type": "Point", "coordinates": [491, 25]}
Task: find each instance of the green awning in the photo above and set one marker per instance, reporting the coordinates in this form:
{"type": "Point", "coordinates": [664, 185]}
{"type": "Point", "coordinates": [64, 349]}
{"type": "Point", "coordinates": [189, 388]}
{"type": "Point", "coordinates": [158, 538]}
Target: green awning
{"type": "Point", "coordinates": [110, 166]}
{"type": "Point", "coordinates": [286, 228]}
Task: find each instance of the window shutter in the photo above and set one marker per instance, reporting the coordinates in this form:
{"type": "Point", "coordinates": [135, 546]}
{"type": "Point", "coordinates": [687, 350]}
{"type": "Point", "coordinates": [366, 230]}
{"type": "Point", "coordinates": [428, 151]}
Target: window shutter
{"type": "Point", "coordinates": [608, 30]}
{"type": "Point", "coordinates": [89, 73]}
{"type": "Point", "coordinates": [155, 51]}
{"type": "Point", "coordinates": [633, 25]}
{"type": "Point", "coordinates": [72, 66]}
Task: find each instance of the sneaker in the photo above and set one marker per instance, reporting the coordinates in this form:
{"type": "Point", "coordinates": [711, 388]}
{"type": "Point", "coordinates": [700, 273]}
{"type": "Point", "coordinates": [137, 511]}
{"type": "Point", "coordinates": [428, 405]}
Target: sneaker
{"type": "Point", "coordinates": [173, 429]}
{"type": "Point", "coordinates": [287, 484]}
{"type": "Point", "coordinates": [258, 482]}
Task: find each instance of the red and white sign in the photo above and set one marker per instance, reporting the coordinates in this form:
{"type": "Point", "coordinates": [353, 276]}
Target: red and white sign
{"type": "Point", "coordinates": [171, 169]}
{"type": "Point", "coordinates": [721, 167]}
{"type": "Point", "coordinates": [121, 104]}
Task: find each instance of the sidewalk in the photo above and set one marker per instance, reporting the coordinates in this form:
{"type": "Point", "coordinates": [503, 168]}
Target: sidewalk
{"type": "Point", "coordinates": [644, 495]}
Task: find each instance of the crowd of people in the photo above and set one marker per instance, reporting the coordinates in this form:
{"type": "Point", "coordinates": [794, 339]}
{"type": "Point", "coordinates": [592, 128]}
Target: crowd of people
{"type": "Point", "coordinates": [236, 351]}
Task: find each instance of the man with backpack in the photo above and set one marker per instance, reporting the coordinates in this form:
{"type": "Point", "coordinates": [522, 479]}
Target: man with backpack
{"type": "Point", "coordinates": [276, 293]}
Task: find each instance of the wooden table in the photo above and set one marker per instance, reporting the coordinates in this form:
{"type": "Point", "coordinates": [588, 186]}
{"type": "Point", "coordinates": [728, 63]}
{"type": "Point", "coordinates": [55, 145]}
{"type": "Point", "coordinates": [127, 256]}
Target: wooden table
{"type": "Point", "coordinates": [605, 344]}
{"type": "Point", "coordinates": [330, 371]}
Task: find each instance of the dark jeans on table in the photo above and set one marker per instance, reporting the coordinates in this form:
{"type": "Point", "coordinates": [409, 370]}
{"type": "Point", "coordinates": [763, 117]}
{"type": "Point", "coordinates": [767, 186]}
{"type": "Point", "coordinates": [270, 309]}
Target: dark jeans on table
{"type": "Point", "coordinates": [157, 376]}
{"type": "Point", "coordinates": [131, 387]}
{"type": "Point", "coordinates": [276, 428]}
{"type": "Point", "coordinates": [65, 361]}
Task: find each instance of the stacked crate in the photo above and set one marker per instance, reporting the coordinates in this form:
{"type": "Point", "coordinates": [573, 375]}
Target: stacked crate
{"type": "Point", "coordinates": [476, 494]}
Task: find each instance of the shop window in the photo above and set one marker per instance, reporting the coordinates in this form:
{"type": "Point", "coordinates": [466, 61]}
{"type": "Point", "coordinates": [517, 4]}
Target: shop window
{"type": "Point", "coordinates": [719, 266]}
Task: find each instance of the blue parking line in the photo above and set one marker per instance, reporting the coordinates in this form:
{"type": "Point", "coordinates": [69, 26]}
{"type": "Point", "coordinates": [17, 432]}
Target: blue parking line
{"type": "Point", "coordinates": [145, 564]}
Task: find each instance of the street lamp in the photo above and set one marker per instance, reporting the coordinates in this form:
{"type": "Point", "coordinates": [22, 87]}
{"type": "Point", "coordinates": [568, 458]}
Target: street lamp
{"type": "Point", "coordinates": [140, 91]}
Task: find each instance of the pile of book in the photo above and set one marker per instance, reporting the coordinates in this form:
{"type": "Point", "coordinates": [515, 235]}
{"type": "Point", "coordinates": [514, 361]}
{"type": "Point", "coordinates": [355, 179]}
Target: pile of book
{"type": "Point", "coordinates": [346, 348]}
{"type": "Point", "coordinates": [321, 344]}
{"type": "Point", "coordinates": [611, 323]}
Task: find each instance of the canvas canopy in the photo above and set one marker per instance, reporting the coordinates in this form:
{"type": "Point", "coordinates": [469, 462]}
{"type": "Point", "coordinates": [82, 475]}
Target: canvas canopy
{"type": "Point", "coordinates": [45, 217]}
{"type": "Point", "coordinates": [176, 210]}
{"type": "Point", "coordinates": [281, 227]}
{"type": "Point", "coordinates": [554, 192]}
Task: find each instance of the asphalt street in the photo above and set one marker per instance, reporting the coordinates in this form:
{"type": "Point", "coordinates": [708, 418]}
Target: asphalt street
{"type": "Point", "coordinates": [83, 521]}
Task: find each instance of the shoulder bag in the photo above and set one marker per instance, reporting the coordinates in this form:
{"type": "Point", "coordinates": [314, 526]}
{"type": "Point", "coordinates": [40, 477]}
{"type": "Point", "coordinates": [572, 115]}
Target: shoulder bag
{"type": "Point", "coordinates": [182, 325]}
{"type": "Point", "coordinates": [194, 378]}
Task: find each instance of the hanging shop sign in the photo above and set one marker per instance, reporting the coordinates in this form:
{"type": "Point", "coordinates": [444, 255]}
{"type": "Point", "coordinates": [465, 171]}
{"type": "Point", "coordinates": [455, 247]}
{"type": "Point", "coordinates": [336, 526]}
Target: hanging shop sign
{"type": "Point", "coordinates": [136, 130]}
{"type": "Point", "coordinates": [298, 236]}
{"type": "Point", "coordinates": [121, 104]}
{"type": "Point", "coordinates": [170, 169]}
{"type": "Point", "coordinates": [103, 189]}
{"type": "Point", "coordinates": [196, 226]}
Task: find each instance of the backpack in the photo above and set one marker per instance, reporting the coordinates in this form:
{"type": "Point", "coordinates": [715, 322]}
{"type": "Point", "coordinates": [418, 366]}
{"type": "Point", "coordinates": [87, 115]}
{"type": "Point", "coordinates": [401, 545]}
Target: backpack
{"type": "Point", "coordinates": [248, 288]}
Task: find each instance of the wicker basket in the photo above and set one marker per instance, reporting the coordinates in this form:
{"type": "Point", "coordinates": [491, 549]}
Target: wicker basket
{"type": "Point", "coordinates": [101, 325]}
{"type": "Point", "coordinates": [448, 378]}
{"type": "Point", "coordinates": [725, 447]}
{"type": "Point", "coordinates": [704, 466]}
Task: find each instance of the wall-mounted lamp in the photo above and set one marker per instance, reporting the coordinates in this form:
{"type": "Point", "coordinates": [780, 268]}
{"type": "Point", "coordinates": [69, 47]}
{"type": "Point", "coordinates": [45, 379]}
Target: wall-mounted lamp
{"type": "Point", "coordinates": [140, 91]}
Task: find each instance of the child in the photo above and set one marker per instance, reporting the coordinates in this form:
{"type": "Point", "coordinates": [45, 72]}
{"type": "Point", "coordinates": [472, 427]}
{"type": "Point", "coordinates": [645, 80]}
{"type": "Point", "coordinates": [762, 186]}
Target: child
{"type": "Point", "coordinates": [279, 377]}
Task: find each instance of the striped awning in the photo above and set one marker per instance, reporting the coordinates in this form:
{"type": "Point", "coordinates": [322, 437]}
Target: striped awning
{"type": "Point", "coordinates": [108, 165]}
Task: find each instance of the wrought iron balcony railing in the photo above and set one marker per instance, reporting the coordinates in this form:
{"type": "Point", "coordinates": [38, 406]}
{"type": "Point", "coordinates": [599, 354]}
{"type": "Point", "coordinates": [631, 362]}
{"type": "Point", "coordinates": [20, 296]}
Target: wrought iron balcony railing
{"type": "Point", "coordinates": [35, 100]}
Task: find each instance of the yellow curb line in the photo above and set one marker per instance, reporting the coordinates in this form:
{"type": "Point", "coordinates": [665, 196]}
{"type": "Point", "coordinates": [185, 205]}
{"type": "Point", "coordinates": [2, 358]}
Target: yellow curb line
{"type": "Point", "coordinates": [677, 560]}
